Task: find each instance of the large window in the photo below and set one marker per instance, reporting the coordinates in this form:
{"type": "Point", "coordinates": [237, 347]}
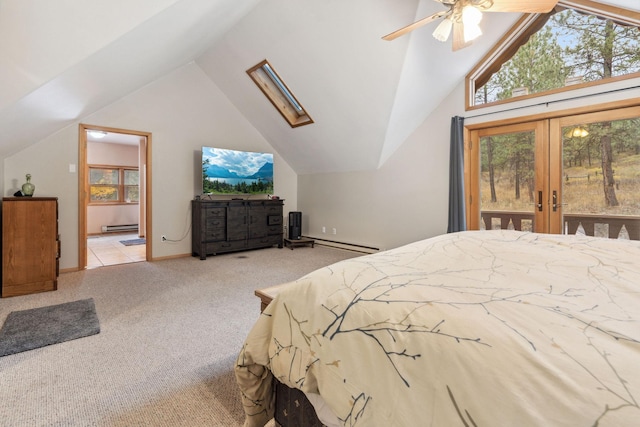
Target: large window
{"type": "Point", "coordinates": [579, 43]}
{"type": "Point", "coordinates": [114, 185]}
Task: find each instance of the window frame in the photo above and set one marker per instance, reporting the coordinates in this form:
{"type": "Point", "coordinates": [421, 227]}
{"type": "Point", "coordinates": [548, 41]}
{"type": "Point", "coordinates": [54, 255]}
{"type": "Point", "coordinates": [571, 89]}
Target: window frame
{"type": "Point", "coordinates": [273, 87]}
{"type": "Point", "coordinates": [121, 186]}
{"type": "Point", "coordinates": [553, 122]}
{"type": "Point", "coordinates": [520, 33]}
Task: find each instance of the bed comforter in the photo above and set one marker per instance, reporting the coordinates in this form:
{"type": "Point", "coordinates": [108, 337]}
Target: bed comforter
{"type": "Point", "coordinates": [478, 328]}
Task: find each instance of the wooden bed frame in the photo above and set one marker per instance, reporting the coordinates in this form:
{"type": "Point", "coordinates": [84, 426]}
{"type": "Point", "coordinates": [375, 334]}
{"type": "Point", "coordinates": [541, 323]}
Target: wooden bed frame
{"type": "Point", "coordinates": [293, 409]}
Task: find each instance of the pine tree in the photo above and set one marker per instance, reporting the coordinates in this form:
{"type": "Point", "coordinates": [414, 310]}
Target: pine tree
{"type": "Point", "coordinates": [603, 49]}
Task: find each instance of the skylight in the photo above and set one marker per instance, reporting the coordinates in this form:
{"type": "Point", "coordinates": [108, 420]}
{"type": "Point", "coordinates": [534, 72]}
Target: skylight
{"type": "Point", "coordinates": [266, 78]}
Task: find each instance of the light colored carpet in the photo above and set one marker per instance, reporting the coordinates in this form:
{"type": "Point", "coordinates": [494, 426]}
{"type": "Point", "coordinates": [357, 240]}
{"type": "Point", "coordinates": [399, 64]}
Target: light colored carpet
{"type": "Point", "coordinates": [170, 333]}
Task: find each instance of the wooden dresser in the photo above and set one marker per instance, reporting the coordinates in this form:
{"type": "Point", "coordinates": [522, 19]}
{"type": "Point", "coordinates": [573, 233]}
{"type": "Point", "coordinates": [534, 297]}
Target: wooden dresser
{"type": "Point", "coordinates": [30, 245]}
{"type": "Point", "coordinates": [234, 225]}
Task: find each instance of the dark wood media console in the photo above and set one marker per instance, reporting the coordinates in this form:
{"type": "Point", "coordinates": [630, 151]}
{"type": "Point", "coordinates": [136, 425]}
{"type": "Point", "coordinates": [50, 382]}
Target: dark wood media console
{"type": "Point", "coordinates": [220, 226]}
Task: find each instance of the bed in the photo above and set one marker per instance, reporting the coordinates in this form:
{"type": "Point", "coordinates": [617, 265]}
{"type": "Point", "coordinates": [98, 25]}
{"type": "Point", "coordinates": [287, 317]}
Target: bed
{"type": "Point", "coordinates": [477, 328]}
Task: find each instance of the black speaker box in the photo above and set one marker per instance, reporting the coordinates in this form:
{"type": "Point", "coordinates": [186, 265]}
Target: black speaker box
{"type": "Point", "coordinates": [295, 225]}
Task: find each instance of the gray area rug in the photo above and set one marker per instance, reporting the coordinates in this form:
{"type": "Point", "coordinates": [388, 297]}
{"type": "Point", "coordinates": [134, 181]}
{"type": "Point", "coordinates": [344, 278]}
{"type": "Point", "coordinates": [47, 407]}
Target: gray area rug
{"type": "Point", "coordinates": [38, 327]}
{"type": "Point", "coordinates": [133, 242]}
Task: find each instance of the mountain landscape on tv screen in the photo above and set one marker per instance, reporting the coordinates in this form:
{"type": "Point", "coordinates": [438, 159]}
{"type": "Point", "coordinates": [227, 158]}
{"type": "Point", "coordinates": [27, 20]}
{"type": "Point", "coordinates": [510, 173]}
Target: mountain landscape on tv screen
{"type": "Point", "coordinates": [216, 171]}
{"type": "Point", "coordinates": [236, 172]}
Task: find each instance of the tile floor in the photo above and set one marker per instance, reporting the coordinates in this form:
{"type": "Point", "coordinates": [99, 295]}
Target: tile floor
{"type": "Point", "coordinates": [107, 250]}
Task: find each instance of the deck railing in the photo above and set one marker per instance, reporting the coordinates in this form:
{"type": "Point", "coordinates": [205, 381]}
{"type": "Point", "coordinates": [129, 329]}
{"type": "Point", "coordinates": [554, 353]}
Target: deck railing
{"type": "Point", "coordinates": [612, 226]}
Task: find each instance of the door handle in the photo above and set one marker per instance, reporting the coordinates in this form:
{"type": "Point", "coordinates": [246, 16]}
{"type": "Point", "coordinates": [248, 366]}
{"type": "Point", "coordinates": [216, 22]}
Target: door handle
{"type": "Point", "coordinates": [540, 201]}
{"type": "Point", "coordinates": [556, 205]}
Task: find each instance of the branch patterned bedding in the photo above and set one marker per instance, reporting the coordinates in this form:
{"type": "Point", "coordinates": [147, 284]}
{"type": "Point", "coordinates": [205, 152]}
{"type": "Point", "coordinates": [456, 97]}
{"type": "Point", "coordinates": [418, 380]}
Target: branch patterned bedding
{"type": "Point", "coordinates": [478, 328]}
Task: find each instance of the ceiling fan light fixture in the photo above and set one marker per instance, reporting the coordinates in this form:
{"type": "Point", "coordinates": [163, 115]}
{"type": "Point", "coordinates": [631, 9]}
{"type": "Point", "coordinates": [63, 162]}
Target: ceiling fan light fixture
{"type": "Point", "coordinates": [471, 15]}
{"type": "Point", "coordinates": [471, 32]}
{"type": "Point", "coordinates": [443, 30]}
{"type": "Point", "coordinates": [464, 16]}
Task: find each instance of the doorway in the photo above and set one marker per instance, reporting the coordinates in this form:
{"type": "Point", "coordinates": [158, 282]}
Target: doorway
{"type": "Point", "coordinates": [577, 174]}
{"type": "Point", "coordinates": [114, 196]}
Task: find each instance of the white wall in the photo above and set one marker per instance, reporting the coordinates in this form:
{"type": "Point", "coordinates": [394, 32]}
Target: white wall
{"type": "Point", "coordinates": [35, 37]}
{"type": "Point", "coordinates": [403, 201]}
{"type": "Point", "coordinates": [184, 111]}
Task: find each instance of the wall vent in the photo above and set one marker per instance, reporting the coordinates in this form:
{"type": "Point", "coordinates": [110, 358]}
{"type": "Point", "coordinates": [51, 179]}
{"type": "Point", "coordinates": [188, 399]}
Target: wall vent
{"type": "Point", "coordinates": [347, 246]}
{"type": "Point", "coordinates": [118, 228]}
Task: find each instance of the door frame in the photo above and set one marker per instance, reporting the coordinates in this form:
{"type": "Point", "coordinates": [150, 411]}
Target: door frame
{"type": "Point", "coordinates": [83, 189]}
{"type": "Point", "coordinates": [553, 123]}
{"type": "Point", "coordinates": [472, 156]}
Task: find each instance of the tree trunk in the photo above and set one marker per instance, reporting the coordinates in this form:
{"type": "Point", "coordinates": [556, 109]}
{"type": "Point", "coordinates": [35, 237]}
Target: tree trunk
{"type": "Point", "coordinates": [517, 183]}
{"type": "Point", "coordinates": [608, 180]}
{"type": "Point", "coordinates": [492, 183]}
{"type": "Point", "coordinates": [532, 198]}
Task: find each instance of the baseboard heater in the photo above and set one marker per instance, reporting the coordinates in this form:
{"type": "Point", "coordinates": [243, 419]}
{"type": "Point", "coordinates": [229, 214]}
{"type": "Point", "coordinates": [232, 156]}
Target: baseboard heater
{"type": "Point", "coordinates": [347, 246]}
{"type": "Point", "coordinates": [119, 228]}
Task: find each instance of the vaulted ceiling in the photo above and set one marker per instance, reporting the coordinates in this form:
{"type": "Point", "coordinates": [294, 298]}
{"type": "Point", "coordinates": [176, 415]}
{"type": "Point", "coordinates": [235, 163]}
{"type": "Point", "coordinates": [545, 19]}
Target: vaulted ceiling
{"type": "Point", "coordinates": [60, 61]}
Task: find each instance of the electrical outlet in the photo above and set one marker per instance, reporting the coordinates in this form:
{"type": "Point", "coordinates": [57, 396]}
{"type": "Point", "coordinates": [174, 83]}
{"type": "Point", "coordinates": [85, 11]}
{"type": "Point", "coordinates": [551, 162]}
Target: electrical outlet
{"type": "Point", "coordinates": [164, 238]}
{"type": "Point", "coordinates": [335, 231]}
{"type": "Point", "coordinates": [324, 229]}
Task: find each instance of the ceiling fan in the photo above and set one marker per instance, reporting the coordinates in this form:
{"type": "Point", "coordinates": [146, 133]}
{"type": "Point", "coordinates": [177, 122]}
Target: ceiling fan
{"type": "Point", "coordinates": [463, 16]}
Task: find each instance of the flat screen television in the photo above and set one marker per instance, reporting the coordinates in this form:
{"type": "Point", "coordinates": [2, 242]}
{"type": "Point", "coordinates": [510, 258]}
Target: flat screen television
{"type": "Point", "coordinates": [231, 172]}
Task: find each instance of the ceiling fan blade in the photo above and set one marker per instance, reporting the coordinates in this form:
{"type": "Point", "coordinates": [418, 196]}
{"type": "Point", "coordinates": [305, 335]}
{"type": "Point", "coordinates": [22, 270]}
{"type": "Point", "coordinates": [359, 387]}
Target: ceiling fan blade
{"type": "Point", "coordinates": [458, 37]}
{"type": "Point", "coordinates": [523, 6]}
{"type": "Point", "coordinates": [424, 21]}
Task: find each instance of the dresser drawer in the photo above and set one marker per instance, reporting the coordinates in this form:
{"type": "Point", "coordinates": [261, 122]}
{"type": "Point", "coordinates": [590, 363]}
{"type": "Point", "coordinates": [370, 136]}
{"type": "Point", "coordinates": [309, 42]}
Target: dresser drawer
{"type": "Point", "coordinates": [274, 220]}
{"type": "Point", "coordinates": [214, 234]}
{"type": "Point", "coordinates": [214, 211]}
{"type": "Point", "coordinates": [214, 221]}
{"type": "Point", "coordinates": [232, 245]}
{"type": "Point", "coordinates": [265, 241]}
{"type": "Point", "coordinates": [274, 230]}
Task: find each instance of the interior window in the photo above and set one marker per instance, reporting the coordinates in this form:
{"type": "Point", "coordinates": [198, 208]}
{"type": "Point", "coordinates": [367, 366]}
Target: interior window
{"type": "Point", "coordinates": [113, 185]}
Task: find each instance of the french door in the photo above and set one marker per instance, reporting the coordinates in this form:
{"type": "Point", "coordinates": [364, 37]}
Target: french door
{"type": "Point", "coordinates": [573, 174]}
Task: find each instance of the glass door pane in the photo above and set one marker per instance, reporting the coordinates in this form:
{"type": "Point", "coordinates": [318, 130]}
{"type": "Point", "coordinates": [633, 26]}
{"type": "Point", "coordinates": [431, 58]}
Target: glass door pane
{"type": "Point", "coordinates": [509, 194]}
{"type": "Point", "coordinates": [601, 178]}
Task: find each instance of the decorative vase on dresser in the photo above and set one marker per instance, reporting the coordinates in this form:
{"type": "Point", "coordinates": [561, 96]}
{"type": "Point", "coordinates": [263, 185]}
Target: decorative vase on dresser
{"type": "Point", "coordinates": [28, 188]}
{"type": "Point", "coordinates": [30, 245]}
